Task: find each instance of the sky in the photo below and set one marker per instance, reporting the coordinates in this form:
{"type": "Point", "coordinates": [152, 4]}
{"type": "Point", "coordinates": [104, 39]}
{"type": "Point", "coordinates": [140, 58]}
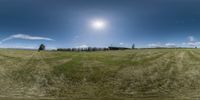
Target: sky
{"type": "Point", "coordinates": [99, 23]}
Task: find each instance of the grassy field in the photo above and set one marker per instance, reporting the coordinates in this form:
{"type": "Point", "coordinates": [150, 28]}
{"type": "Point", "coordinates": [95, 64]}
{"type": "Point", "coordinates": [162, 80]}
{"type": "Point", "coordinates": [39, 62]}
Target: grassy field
{"type": "Point", "coordinates": [145, 73]}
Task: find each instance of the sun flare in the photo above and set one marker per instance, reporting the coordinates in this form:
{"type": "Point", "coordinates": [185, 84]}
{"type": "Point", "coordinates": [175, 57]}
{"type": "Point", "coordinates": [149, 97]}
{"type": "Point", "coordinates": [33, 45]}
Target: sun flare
{"type": "Point", "coordinates": [98, 24]}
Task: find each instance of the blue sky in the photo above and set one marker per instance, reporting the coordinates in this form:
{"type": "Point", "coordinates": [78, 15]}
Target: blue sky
{"type": "Point", "coordinates": [68, 23]}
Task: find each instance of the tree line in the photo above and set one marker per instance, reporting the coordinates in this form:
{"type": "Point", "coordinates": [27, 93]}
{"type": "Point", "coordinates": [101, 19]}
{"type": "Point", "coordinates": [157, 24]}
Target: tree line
{"type": "Point", "coordinates": [42, 47]}
{"type": "Point", "coordinates": [83, 49]}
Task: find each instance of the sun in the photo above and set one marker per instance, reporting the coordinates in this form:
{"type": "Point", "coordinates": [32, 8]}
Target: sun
{"type": "Point", "coordinates": [98, 24]}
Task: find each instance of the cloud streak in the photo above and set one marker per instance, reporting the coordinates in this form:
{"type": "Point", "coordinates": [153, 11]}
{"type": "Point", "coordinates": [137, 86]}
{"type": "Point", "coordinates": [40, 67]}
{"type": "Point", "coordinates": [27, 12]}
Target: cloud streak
{"type": "Point", "coordinates": [82, 46]}
{"type": "Point", "coordinates": [154, 45]}
{"type": "Point", "coordinates": [192, 42]}
{"type": "Point", "coordinates": [191, 38]}
{"type": "Point", "coordinates": [121, 43]}
{"type": "Point", "coordinates": [26, 37]}
{"type": "Point", "coordinates": [167, 45]}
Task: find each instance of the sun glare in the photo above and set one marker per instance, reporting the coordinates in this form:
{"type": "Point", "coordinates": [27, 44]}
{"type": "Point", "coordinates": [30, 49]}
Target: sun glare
{"type": "Point", "coordinates": [98, 24]}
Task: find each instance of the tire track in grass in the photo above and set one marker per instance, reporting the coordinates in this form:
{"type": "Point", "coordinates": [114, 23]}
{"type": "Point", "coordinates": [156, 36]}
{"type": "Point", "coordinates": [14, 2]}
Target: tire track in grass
{"type": "Point", "coordinates": [108, 79]}
{"type": "Point", "coordinates": [147, 59]}
{"type": "Point", "coordinates": [33, 75]}
{"type": "Point", "coordinates": [194, 55]}
{"type": "Point", "coordinates": [122, 73]}
{"type": "Point", "coordinates": [177, 82]}
{"type": "Point", "coordinates": [13, 88]}
{"type": "Point", "coordinates": [194, 58]}
{"type": "Point", "coordinates": [161, 75]}
{"type": "Point", "coordinates": [14, 62]}
{"type": "Point", "coordinates": [132, 65]}
{"type": "Point", "coordinates": [44, 83]}
{"type": "Point", "coordinates": [8, 61]}
{"type": "Point", "coordinates": [45, 67]}
{"type": "Point", "coordinates": [114, 71]}
{"type": "Point", "coordinates": [160, 78]}
{"type": "Point", "coordinates": [195, 52]}
{"type": "Point", "coordinates": [174, 79]}
{"type": "Point", "coordinates": [178, 79]}
{"type": "Point", "coordinates": [42, 75]}
{"type": "Point", "coordinates": [26, 77]}
{"type": "Point", "coordinates": [193, 75]}
{"type": "Point", "coordinates": [150, 59]}
{"type": "Point", "coordinates": [151, 77]}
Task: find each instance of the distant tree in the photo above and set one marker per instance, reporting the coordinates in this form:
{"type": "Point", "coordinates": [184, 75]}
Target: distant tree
{"type": "Point", "coordinates": [89, 48]}
{"type": "Point", "coordinates": [42, 47]}
{"type": "Point", "coordinates": [94, 49]}
{"type": "Point", "coordinates": [105, 49]}
{"type": "Point", "coordinates": [73, 49]}
{"type": "Point", "coordinates": [133, 46]}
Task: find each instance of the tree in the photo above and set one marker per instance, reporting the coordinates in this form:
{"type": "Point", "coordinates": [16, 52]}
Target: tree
{"type": "Point", "coordinates": [42, 47]}
{"type": "Point", "coordinates": [133, 46]}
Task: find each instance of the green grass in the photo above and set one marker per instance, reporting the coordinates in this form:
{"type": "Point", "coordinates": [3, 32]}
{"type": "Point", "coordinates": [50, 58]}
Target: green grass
{"type": "Point", "coordinates": [142, 73]}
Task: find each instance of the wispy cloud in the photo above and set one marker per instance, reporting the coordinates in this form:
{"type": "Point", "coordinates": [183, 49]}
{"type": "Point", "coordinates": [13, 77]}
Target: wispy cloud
{"type": "Point", "coordinates": [19, 45]}
{"type": "Point", "coordinates": [82, 46]}
{"type": "Point", "coordinates": [196, 43]}
{"type": "Point", "coordinates": [154, 45]}
{"type": "Point", "coordinates": [168, 45]}
{"type": "Point", "coordinates": [192, 41]}
{"type": "Point", "coordinates": [191, 38]}
{"type": "Point", "coordinates": [25, 37]}
{"type": "Point", "coordinates": [121, 43]}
